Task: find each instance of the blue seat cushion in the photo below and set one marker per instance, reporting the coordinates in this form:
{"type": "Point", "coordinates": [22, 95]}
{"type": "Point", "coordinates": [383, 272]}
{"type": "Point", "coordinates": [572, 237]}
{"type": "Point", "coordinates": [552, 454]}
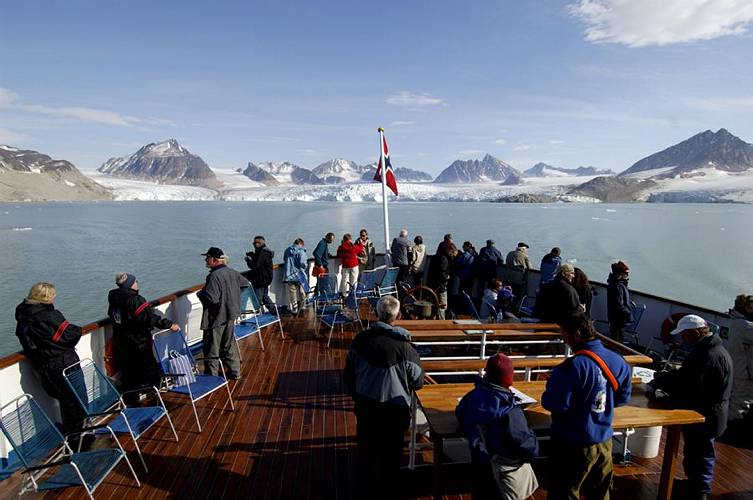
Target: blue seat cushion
{"type": "Point", "coordinates": [245, 328]}
{"type": "Point", "coordinates": [267, 319]}
{"type": "Point", "coordinates": [93, 465]}
{"type": "Point", "coordinates": [204, 385]}
{"type": "Point", "coordinates": [530, 320]}
{"type": "Point", "coordinates": [140, 419]}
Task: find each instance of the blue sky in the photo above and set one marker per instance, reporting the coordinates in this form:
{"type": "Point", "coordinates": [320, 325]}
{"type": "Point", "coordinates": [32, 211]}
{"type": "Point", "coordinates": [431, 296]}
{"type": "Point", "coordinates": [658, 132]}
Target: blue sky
{"type": "Point", "coordinates": [586, 82]}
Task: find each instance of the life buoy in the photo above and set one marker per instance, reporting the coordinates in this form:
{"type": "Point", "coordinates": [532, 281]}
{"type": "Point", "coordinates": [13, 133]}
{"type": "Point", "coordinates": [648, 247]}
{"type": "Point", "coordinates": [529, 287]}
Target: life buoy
{"type": "Point", "coordinates": [669, 324]}
{"type": "Point", "coordinates": [110, 366]}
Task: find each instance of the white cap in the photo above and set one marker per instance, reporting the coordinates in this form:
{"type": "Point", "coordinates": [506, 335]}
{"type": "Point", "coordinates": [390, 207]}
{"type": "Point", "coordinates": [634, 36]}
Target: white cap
{"type": "Point", "coordinates": [689, 322]}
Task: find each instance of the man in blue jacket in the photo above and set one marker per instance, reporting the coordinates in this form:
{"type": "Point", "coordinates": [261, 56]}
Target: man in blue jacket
{"type": "Point", "coordinates": [549, 265]}
{"type": "Point", "coordinates": [294, 260]}
{"type": "Point", "coordinates": [322, 255]}
{"type": "Point", "coordinates": [582, 394]}
{"type": "Point", "coordinates": [498, 435]}
{"type": "Point", "coordinates": [619, 307]}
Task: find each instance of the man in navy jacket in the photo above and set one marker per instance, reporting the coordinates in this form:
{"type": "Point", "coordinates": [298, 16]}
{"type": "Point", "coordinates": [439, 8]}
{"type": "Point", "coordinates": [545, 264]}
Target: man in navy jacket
{"type": "Point", "coordinates": [582, 394]}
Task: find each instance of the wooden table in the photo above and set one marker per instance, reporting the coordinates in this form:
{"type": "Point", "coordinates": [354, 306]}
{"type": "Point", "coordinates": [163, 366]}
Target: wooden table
{"type": "Point", "coordinates": [439, 401]}
{"type": "Point", "coordinates": [449, 324]}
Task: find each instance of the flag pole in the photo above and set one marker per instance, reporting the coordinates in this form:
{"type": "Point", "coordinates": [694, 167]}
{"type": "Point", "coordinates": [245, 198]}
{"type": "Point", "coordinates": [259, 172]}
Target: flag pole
{"type": "Point", "coordinates": [384, 197]}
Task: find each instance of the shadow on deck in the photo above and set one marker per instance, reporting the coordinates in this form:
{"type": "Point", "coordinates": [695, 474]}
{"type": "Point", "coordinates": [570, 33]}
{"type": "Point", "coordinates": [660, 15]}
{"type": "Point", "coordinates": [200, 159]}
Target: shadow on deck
{"type": "Point", "coordinates": [292, 435]}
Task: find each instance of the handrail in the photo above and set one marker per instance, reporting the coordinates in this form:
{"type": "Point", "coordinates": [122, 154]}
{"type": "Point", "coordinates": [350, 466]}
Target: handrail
{"type": "Point", "coordinates": [16, 357]}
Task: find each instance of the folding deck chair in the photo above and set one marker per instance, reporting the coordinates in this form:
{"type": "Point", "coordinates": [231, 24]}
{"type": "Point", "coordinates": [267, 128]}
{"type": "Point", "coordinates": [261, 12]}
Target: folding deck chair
{"type": "Point", "coordinates": [41, 448]}
{"type": "Point", "coordinates": [246, 325]}
{"type": "Point", "coordinates": [347, 315]}
{"type": "Point", "coordinates": [101, 401]}
{"type": "Point", "coordinates": [165, 343]}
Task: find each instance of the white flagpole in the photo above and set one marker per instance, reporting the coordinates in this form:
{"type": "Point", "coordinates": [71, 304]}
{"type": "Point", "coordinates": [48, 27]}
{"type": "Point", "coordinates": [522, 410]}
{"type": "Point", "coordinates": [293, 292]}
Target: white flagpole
{"type": "Point", "coordinates": [384, 197]}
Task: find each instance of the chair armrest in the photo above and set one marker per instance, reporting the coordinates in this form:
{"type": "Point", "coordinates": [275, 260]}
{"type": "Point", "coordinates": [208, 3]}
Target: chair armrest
{"type": "Point", "coordinates": [62, 461]}
{"type": "Point", "coordinates": [142, 389]}
{"type": "Point", "coordinates": [169, 375]}
{"type": "Point", "coordinates": [206, 358]}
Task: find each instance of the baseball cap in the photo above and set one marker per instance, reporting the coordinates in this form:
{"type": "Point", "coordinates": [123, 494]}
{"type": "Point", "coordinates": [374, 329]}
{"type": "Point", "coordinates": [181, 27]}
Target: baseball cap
{"type": "Point", "coordinates": [521, 244]}
{"type": "Point", "coordinates": [689, 322]}
{"type": "Point", "coordinates": [499, 370]}
{"type": "Point", "coordinates": [620, 268]}
{"type": "Point", "coordinates": [215, 252]}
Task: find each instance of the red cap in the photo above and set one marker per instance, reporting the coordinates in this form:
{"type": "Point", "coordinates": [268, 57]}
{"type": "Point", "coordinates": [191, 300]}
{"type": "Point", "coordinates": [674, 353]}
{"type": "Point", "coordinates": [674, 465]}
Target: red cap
{"type": "Point", "coordinates": [499, 370]}
{"type": "Point", "coordinates": [620, 268]}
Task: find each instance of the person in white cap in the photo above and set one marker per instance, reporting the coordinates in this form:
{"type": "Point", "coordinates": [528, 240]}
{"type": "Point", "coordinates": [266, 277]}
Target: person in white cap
{"type": "Point", "coordinates": [703, 383]}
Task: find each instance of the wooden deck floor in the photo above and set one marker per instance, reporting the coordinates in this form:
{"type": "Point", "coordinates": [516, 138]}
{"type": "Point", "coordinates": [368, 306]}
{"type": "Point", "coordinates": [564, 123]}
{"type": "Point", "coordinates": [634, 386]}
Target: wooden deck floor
{"type": "Point", "coordinates": [292, 435]}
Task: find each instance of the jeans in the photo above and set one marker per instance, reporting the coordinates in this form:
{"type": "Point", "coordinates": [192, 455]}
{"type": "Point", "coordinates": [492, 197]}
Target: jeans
{"type": "Point", "coordinates": [699, 457]}
{"type": "Point", "coordinates": [220, 342]}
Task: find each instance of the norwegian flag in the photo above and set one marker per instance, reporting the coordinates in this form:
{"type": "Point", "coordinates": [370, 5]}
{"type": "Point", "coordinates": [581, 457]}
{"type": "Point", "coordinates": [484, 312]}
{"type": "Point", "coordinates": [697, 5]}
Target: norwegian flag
{"type": "Point", "coordinates": [391, 181]}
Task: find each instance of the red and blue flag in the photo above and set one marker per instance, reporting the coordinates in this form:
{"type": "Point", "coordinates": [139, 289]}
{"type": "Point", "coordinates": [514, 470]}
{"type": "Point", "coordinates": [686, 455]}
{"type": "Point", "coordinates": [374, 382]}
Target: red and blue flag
{"type": "Point", "coordinates": [391, 181]}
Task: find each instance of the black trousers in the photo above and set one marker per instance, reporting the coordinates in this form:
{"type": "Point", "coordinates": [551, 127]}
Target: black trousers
{"type": "Point", "coordinates": [138, 367]}
{"type": "Point", "coordinates": [380, 430]}
{"type": "Point", "coordinates": [51, 375]}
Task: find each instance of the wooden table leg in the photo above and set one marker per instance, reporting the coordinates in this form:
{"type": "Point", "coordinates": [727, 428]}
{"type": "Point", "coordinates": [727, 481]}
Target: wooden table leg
{"type": "Point", "coordinates": [671, 449]}
{"type": "Point", "coordinates": [438, 453]}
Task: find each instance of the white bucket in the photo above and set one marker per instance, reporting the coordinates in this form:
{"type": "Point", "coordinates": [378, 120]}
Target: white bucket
{"type": "Point", "coordinates": [645, 442]}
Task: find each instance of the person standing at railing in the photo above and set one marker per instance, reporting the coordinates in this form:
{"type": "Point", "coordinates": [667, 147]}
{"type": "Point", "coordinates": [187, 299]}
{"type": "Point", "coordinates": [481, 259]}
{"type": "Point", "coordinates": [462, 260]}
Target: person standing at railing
{"type": "Point", "coordinates": [261, 271]}
{"type": "Point", "coordinates": [399, 250]}
{"type": "Point", "coordinates": [741, 349]}
{"type": "Point", "coordinates": [549, 265]}
{"type": "Point", "coordinates": [294, 261]}
{"type": "Point", "coordinates": [221, 298]}
{"type": "Point", "coordinates": [619, 308]}
{"type": "Point", "coordinates": [133, 319]}
{"type": "Point", "coordinates": [582, 393]}
{"type": "Point", "coordinates": [348, 253]}
{"type": "Point", "coordinates": [366, 259]}
{"type": "Point", "coordinates": [321, 255]}
{"type": "Point", "coordinates": [49, 342]}
{"type": "Point", "coordinates": [418, 260]}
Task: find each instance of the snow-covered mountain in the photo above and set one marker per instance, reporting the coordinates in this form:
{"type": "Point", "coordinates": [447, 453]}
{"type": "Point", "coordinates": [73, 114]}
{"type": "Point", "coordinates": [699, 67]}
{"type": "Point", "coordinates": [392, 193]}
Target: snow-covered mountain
{"type": "Point", "coordinates": [544, 170]}
{"type": "Point", "coordinates": [166, 162]}
{"type": "Point", "coordinates": [402, 174]}
{"type": "Point", "coordinates": [27, 175]}
{"type": "Point", "coordinates": [345, 170]}
{"type": "Point", "coordinates": [720, 151]}
{"type": "Point", "coordinates": [274, 173]}
{"type": "Point", "coordinates": [488, 169]}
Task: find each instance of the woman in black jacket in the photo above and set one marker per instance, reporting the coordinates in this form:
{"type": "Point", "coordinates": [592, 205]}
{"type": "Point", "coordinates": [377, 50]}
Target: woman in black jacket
{"type": "Point", "coordinates": [49, 341]}
{"type": "Point", "coordinates": [585, 291]}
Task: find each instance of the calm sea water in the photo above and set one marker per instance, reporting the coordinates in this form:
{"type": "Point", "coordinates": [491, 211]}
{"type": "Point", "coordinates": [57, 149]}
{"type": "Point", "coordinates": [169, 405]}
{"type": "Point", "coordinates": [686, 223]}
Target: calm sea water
{"type": "Point", "coordinates": [694, 253]}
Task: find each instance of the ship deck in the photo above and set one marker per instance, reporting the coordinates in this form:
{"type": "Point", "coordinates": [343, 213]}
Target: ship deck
{"type": "Point", "coordinates": [292, 435]}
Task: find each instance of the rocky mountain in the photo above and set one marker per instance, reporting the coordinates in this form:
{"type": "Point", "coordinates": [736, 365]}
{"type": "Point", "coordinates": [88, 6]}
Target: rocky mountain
{"type": "Point", "coordinates": [27, 175]}
{"type": "Point", "coordinates": [348, 171]}
{"type": "Point", "coordinates": [165, 162]}
{"type": "Point", "coordinates": [721, 151]}
{"type": "Point", "coordinates": [402, 174]}
{"type": "Point", "coordinates": [273, 174]}
{"type": "Point", "coordinates": [614, 189]}
{"type": "Point", "coordinates": [545, 170]}
{"type": "Point", "coordinates": [488, 169]}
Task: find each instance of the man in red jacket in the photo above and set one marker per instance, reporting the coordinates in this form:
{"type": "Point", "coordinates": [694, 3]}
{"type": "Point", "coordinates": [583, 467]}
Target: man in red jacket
{"type": "Point", "coordinates": [348, 253]}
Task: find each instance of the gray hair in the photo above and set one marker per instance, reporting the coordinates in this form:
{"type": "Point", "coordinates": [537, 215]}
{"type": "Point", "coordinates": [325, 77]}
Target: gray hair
{"type": "Point", "coordinates": [388, 308]}
{"type": "Point", "coordinates": [403, 232]}
{"type": "Point", "coordinates": [565, 268]}
{"type": "Point", "coordinates": [121, 278]}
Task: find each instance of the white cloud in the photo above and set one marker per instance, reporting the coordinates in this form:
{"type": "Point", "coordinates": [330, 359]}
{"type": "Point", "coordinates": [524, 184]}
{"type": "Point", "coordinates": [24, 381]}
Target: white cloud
{"type": "Point", "coordinates": [524, 147]}
{"type": "Point", "coordinates": [414, 100]}
{"type": "Point", "coordinates": [10, 138]}
{"type": "Point", "coordinates": [11, 101]}
{"type": "Point", "coordinates": [470, 153]}
{"type": "Point", "coordinates": [640, 23]}
{"type": "Point", "coordinates": [500, 141]}
{"type": "Point", "coordinates": [400, 123]}
{"type": "Point", "coordinates": [556, 142]}
{"type": "Point", "coordinates": [743, 104]}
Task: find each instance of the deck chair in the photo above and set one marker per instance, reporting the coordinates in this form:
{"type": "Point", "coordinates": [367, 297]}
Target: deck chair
{"type": "Point", "coordinates": [636, 314]}
{"type": "Point", "coordinates": [327, 299]}
{"type": "Point", "coordinates": [167, 341]}
{"type": "Point", "coordinates": [388, 284]}
{"type": "Point", "coordinates": [245, 326]}
{"type": "Point", "coordinates": [103, 404]}
{"type": "Point", "coordinates": [308, 293]}
{"type": "Point", "coordinates": [253, 308]}
{"type": "Point", "coordinates": [41, 448]}
{"type": "Point", "coordinates": [349, 315]}
{"type": "Point", "coordinates": [367, 285]}
{"type": "Point", "coordinates": [470, 307]}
